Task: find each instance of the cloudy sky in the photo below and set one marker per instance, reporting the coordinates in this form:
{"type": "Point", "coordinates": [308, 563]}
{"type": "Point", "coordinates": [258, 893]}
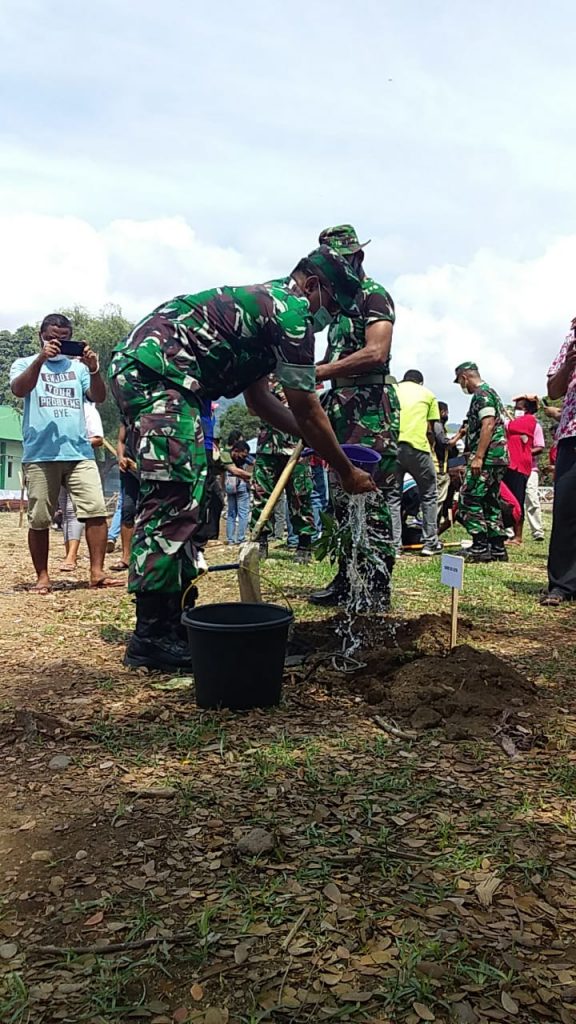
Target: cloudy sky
{"type": "Point", "coordinates": [149, 149]}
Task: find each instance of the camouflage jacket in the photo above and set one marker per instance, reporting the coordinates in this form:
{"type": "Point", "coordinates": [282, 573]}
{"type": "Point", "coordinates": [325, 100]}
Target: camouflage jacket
{"type": "Point", "coordinates": [486, 402]}
{"type": "Point", "coordinates": [270, 440]}
{"type": "Point", "coordinates": [348, 334]}
{"type": "Point", "coordinates": [220, 341]}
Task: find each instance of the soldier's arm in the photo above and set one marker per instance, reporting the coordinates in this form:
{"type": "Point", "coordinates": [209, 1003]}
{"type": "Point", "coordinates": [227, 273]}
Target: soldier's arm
{"type": "Point", "coordinates": [315, 427]}
{"type": "Point", "coordinates": [486, 431]}
{"type": "Point", "coordinates": [372, 357]}
{"type": "Point", "coordinates": [262, 403]}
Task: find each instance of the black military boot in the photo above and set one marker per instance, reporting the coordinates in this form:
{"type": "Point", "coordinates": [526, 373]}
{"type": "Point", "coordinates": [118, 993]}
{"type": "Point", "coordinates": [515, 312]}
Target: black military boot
{"type": "Point", "coordinates": [498, 551]}
{"type": "Point", "coordinates": [336, 592]}
{"type": "Point", "coordinates": [155, 642]}
{"type": "Point", "coordinates": [480, 550]}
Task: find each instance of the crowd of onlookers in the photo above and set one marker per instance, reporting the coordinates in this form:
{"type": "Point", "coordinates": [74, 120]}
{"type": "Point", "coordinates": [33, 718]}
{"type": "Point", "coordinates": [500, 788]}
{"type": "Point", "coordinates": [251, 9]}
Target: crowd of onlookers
{"type": "Point", "coordinates": [485, 474]}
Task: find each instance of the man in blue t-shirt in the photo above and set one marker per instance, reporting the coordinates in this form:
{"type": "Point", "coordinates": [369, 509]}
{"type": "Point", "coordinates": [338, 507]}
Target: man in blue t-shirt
{"type": "Point", "coordinates": [56, 449]}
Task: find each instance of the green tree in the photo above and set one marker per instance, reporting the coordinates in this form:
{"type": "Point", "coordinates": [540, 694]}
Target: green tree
{"type": "Point", "coordinates": [237, 417]}
{"type": "Point", "coordinates": [15, 345]}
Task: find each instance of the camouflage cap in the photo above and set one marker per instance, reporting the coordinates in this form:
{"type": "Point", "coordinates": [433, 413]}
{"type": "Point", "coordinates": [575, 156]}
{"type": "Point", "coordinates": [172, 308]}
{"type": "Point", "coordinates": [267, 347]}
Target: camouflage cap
{"type": "Point", "coordinates": [339, 276]}
{"type": "Point", "coordinates": [463, 367]}
{"type": "Point", "coordinates": [343, 238]}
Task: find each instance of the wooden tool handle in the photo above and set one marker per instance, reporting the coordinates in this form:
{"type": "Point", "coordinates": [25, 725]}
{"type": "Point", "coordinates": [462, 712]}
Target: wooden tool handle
{"type": "Point", "coordinates": [130, 462]}
{"type": "Point", "coordinates": [110, 448]}
{"type": "Point", "coordinates": [278, 489]}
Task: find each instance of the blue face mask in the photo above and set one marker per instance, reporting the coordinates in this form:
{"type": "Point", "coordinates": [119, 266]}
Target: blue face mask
{"type": "Point", "coordinates": [321, 318]}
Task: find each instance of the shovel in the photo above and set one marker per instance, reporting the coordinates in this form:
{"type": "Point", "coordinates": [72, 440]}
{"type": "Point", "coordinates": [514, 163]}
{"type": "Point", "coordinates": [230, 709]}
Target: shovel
{"type": "Point", "coordinates": [248, 563]}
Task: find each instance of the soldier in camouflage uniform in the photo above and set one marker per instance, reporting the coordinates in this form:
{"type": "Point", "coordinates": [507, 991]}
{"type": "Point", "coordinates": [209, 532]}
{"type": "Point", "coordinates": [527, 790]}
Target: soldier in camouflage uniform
{"type": "Point", "coordinates": [193, 348]}
{"type": "Point", "coordinates": [479, 506]}
{"type": "Point", "coordinates": [272, 453]}
{"type": "Point", "coordinates": [363, 408]}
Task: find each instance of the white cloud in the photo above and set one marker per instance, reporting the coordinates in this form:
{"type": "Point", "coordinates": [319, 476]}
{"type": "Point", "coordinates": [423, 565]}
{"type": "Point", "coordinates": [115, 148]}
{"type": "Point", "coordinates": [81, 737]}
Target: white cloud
{"type": "Point", "coordinates": [51, 262]}
{"type": "Point", "coordinates": [508, 315]}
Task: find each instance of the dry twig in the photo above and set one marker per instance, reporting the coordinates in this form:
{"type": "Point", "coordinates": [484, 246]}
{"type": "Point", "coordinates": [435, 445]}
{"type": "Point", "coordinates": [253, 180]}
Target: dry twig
{"type": "Point", "coordinates": [402, 734]}
{"type": "Point", "coordinates": [179, 939]}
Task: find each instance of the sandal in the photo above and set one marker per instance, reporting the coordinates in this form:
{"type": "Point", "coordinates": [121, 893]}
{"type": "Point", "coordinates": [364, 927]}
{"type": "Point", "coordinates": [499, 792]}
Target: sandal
{"type": "Point", "coordinates": [552, 599]}
{"type": "Point", "coordinates": [119, 567]}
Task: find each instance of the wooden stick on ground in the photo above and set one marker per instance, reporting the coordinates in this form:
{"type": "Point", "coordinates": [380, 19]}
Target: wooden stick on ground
{"type": "Point", "coordinates": [178, 939]}
{"type": "Point", "coordinates": [155, 792]}
{"type": "Point", "coordinates": [393, 729]}
{"type": "Point", "coordinates": [295, 927]}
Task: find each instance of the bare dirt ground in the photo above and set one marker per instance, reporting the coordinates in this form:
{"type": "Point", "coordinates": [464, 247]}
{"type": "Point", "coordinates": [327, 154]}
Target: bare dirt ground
{"type": "Point", "coordinates": [417, 861]}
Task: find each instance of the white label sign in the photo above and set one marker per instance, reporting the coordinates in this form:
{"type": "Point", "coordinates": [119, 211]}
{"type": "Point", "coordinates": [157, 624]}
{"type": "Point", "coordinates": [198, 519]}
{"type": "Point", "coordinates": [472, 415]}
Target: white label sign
{"type": "Point", "coordinates": [452, 571]}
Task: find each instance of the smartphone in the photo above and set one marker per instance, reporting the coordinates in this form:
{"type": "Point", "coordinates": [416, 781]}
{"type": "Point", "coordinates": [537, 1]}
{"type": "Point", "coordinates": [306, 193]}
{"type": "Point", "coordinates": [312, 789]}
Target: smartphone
{"type": "Point", "coordinates": [72, 348]}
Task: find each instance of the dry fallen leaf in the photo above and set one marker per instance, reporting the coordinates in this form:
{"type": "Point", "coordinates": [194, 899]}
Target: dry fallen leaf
{"type": "Point", "coordinates": [424, 1012]}
{"type": "Point", "coordinates": [241, 952]}
{"type": "Point", "coordinates": [197, 992]}
{"type": "Point", "coordinates": [486, 888]}
{"type": "Point", "coordinates": [509, 1004]}
{"type": "Point", "coordinates": [216, 1016]}
{"type": "Point", "coordinates": [332, 892]}
{"type": "Point", "coordinates": [180, 1016]}
{"type": "Point", "coordinates": [8, 950]}
{"type": "Point", "coordinates": [352, 995]}
{"type": "Point", "coordinates": [95, 919]}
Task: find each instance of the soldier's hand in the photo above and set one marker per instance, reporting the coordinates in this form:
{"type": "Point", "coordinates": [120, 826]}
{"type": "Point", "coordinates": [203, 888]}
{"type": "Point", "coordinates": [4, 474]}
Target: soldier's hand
{"type": "Point", "coordinates": [358, 482]}
{"type": "Point", "coordinates": [476, 465]}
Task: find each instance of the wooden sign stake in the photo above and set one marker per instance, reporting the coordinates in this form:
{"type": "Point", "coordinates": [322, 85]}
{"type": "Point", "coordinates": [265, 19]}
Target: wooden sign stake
{"type": "Point", "coordinates": [452, 575]}
{"type": "Point", "coordinates": [454, 619]}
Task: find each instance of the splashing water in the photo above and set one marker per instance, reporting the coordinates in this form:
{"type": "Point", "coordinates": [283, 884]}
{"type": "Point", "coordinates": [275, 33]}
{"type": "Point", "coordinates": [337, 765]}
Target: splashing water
{"type": "Point", "coordinates": [366, 569]}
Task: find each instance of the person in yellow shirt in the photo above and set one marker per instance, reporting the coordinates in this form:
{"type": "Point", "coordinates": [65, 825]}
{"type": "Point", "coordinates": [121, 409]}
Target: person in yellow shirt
{"type": "Point", "coordinates": [418, 413]}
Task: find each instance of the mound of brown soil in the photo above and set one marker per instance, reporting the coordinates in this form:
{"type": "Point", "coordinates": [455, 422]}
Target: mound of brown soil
{"type": "Point", "coordinates": [466, 690]}
{"type": "Point", "coordinates": [410, 672]}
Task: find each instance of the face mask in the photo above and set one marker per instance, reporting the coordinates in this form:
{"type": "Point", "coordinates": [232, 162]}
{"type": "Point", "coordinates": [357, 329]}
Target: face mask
{"type": "Point", "coordinates": [464, 388]}
{"type": "Point", "coordinates": [321, 318]}
{"type": "Point", "coordinates": [518, 413]}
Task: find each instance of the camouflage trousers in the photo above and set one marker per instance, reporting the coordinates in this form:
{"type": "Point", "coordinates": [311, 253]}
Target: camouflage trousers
{"type": "Point", "coordinates": [172, 463]}
{"type": "Point", "coordinates": [368, 415]}
{"type": "Point", "coordinates": [267, 470]}
{"type": "Point", "coordinates": [479, 508]}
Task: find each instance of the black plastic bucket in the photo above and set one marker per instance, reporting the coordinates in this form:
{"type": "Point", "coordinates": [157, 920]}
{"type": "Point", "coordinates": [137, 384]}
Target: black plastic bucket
{"type": "Point", "coordinates": [238, 653]}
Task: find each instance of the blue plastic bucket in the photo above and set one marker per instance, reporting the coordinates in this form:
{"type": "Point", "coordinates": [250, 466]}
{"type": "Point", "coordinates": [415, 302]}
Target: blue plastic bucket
{"type": "Point", "coordinates": [359, 455]}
